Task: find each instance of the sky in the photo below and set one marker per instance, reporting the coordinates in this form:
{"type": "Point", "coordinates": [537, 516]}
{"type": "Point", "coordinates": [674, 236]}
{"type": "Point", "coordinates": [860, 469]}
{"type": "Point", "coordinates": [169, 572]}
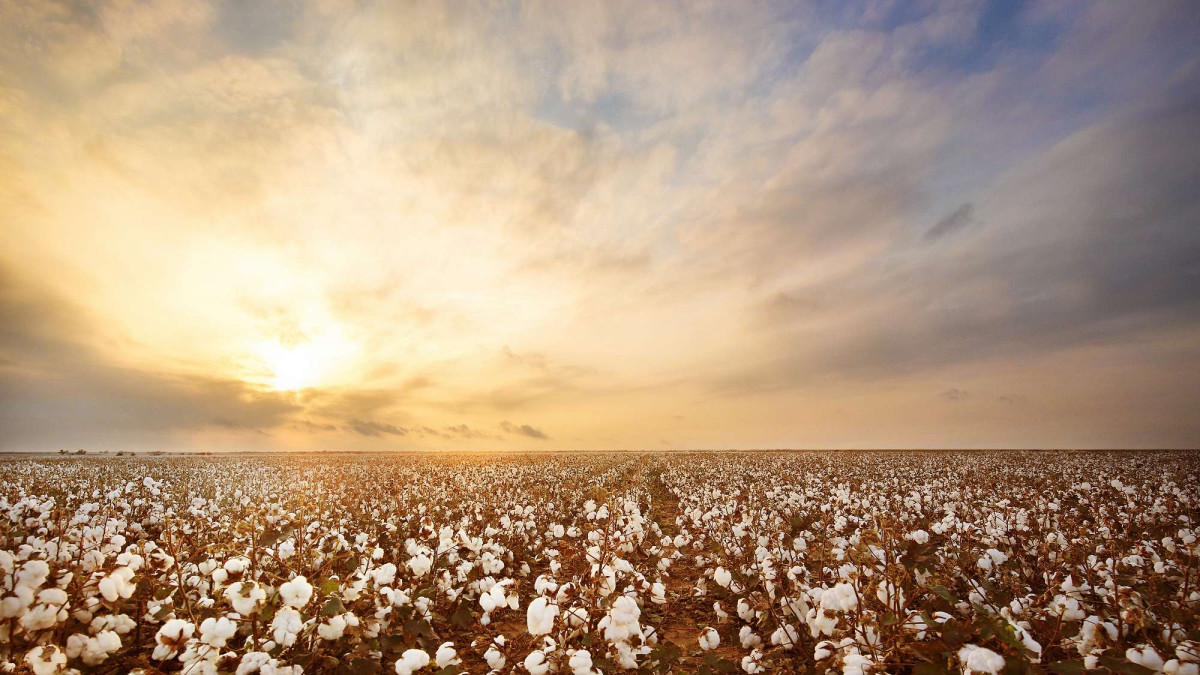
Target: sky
{"type": "Point", "coordinates": [337, 225]}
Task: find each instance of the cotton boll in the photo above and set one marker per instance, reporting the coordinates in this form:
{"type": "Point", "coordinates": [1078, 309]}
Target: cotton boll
{"type": "Point", "coordinates": [750, 662]}
{"type": "Point", "coordinates": [411, 661]}
{"type": "Point", "coordinates": [748, 638]}
{"type": "Point", "coordinates": [245, 596]}
{"type": "Point", "coordinates": [1145, 656]}
{"type": "Point", "coordinates": [581, 663]}
{"type": "Point", "coordinates": [420, 565]}
{"type": "Point", "coordinates": [46, 660]}
{"type": "Point", "coordinates": [709, 639]}
{"type": "Point", "coordinates": [285, 626]}
{"type": "Point", "coordinates": [171, 637]}
{"type": "Point", "coordinates": [536, 663]}
{"type": "Point", "coordinates": [723, 577]}
{"type": "Point", "coordinates": [296, 593]}
{"type": "Point", "coordinates": [494, 658]}
{"type": "Point", "coordinates": [217, 631]}
{"type": "Point", "coordinates": [540, 616]}
{"type": "Point", "coordinates": [977, 659]}
{"type": "Point", "coordinates": [117, 585]}
{"type": "Point", "coordinates": [446, 655]}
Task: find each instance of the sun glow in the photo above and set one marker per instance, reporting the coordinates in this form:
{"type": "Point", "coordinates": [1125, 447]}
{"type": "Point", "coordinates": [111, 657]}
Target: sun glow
{"type": "Point", "coordinates": [303, 365]}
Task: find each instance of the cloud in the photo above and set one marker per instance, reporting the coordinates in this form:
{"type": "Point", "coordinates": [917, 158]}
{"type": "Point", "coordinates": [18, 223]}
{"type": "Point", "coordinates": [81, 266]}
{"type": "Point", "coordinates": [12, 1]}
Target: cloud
{"type": "Point", "coordinates": [464, 431]}
{"type": "Point", "coordinates": [659, 208]}
{"type": "Point", "coordinates": [523, 430]}
{"type": "Point", "coordinates": [959, 219]}
{"type": "Point", "coordinates": [375, 429]}
{"type": "Point", "coordinates": [57, 386]}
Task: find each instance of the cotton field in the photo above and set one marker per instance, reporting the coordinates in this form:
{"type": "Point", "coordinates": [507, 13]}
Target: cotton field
{"type": "Point", "coordinates": [848, 562]}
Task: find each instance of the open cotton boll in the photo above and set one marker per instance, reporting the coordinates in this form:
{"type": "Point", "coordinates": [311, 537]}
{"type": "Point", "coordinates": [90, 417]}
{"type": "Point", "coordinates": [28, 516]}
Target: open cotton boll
{"type": "Point", "coordinates": [581, 663]}
{"type": "Point", "coordinates": [723, 577]}
{"type": "Point", "coordinates": [446, 655]}
{"type": "Point", "coordinates": [117, 585]}
{"type": "Point", "coordinates": [296, 593]}
{"type": "Point", "coordinates": [217, 631]}
{"type": "Point", "coordinates": [245, 596]}
{"type": "Point", "coordinates": [420, 564]}
{"type": "Point", "coordinates": [977, 659]}
{"type": "Point", "coordinates": [840, 598]}
{"type": "Point", "coordinates": [46, 660]}
{"type": "Point", "coordinates": [1145, 656]}
{"type": "Point", "coordinates": [536, 663]}
{"type": "Point", "coordinates": [411, 661]}
{"type": "Point", "coordinates": [494, 658]}
{"type": "Point", "coordinates": [709, 639]}
{"type": "Point", "coordinates": [93, 650]}
{"type": "Point", "coordinates": [171, 637]}
{"type": "Point", "coordinates": [750, 662]}
{"type": "Point", "coordinates": [748, 638]}
{"type": "Point", "coordinates": [286, 625]}
{"type": "Point", "coordinates": [540, 616]}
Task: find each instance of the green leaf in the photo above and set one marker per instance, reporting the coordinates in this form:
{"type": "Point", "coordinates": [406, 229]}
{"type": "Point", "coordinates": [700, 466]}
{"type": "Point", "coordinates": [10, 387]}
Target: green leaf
{"type": "Point", "coordinates": [333, 607]}
{"type": "Point", "coordinates": [944, 593]}
{"type": "Point", "coordinates": [365, 667]}
{"type": "Point", "coordinates": [1118, 665]}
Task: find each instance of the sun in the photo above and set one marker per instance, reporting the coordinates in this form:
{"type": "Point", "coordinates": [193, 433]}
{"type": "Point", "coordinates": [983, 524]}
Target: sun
{"type": "Point", "coordinates": [301, 365]}
{"type": "Point", "coordinates": [292, 368]}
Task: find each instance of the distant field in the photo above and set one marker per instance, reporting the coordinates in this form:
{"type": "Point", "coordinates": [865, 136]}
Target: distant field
{"type": "Point", "coordinates": [898, 561]}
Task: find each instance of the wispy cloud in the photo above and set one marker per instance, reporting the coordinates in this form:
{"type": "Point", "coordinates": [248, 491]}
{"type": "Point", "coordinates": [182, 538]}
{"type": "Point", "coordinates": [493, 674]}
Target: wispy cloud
{"type": "Point", "coordinates": [596, 217]}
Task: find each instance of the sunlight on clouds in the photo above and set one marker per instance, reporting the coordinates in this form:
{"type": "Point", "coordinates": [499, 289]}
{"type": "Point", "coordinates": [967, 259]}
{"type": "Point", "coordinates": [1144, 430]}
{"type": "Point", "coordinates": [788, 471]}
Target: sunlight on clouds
{"type": "Point", "coordinates": [622, 225]}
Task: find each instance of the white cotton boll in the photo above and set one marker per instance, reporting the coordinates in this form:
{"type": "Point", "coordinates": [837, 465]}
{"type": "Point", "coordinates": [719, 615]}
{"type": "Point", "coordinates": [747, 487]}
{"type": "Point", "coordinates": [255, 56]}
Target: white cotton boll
{"type": "Point", "coordinates": [171, 637]}
{"type": "Point", "coordinates": [575, 616]}
{"type": "Point", "coordinates": [334, 627]}
{"type": "Point", "coordinates": [658, 593]}
{"type": "Point", "coordinates": [384, 575]}
{"type": "Point", "coordinates": [750, 662]}
{"type": "Point", "coordinates": [918, 536]}
{"type": "Point", "coordinates": [245, 596]}
{"type": "Point", "coordinates": [540, 616]}
{"type": "Point", "coordinates": [723, 577]}
{"type": "Point", "coordinates": [93, 650]}
{"type": "Point", "coordinates": [536, 663]}
{"type": "Point", "coordinates": [286, 549]}
{"type": "Point", "coordinates": [581, 663]}
{"type": "Point", "coordinates": [748, 638]}
{"type": "Point", "coordinates": [411, 661]}
{"type": "Point", "coordinates": [217, 631]}
{"type": "Point", "coordinates": [709, 639]}
{"type": "Point", "coordinates": [977, 659]}
{"type": "Point", "coordinates": [786, 636]}
{"type": "Point", "coordinates": [296, 593]}
{"type": "Point", "coordinates": [744, 610]}
{"type": "Point", "coordinates": [722, 615]}
{"type": "Point", "coordinates": [1145, 656]}
{"type": "Point", "coordinates": [46, 660]}
{"type": "Point", "coordinates": [856, 664]}
{"type": "Point", "coordinates": [33, 574]}
{"type": "Point", "coordinates": [494, 658]}
{"type": "Point", "coordinates": [446, 655]}
{"type": "Point", "coordinates": [117, 584]}
{"type": "Point", "coordinates": [1175, 667]}
{"type": "Point", "coordinates": [823, 650]}
{"type": "Point", "coordinates": [420, 564]}
{"type": "Point", "coordinates": [252, 662]}
{"type": "Point", "coordinates": [285, 626]}
{"type": "Point", "coordinates": [840, 598]}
